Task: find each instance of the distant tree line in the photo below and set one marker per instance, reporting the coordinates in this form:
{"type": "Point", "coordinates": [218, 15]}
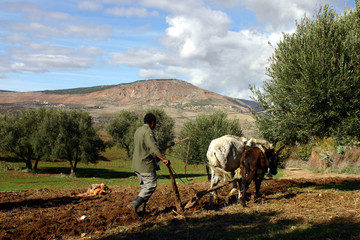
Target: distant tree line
{"type": "Point", "coordinates": [313, 88]}
{"type": "Point", "coordinates": [49, 135]}
{"type": "Point", "coordinates": [123, 126]}
{"type": "Point", "coordinates": [201, 130]}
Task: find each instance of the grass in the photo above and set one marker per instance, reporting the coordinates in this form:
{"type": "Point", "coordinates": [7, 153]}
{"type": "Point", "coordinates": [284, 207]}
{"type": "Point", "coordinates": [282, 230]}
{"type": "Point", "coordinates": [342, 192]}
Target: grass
{"type": "Point", "coordinates": [113, 171]}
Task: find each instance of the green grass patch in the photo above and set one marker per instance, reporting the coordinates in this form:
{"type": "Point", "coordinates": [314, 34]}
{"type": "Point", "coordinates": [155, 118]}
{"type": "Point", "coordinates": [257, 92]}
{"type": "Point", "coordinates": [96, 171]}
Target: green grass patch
{"type": "Point", "coordinates": [114, 170]}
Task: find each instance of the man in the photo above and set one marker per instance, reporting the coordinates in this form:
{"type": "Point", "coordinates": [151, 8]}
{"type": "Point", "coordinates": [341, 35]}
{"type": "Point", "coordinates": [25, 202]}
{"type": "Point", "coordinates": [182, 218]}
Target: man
{"type": "Point", "coordinates": [145, 161]}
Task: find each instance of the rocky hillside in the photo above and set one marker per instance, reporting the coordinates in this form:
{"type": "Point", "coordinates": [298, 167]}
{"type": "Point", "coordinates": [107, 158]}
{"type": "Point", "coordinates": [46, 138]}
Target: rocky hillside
{"type": "Point", "coordinates": [181, 100]}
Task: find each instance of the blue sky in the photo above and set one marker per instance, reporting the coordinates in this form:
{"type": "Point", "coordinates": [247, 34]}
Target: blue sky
{"type": "Point", "coordinates": [218, 45]}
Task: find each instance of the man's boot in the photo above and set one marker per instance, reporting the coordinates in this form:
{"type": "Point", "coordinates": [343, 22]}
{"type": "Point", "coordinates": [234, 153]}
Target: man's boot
{"type": "Point", "coordinates": [135, 204]}
{"type": "Point", "coordinates": [141, 209]}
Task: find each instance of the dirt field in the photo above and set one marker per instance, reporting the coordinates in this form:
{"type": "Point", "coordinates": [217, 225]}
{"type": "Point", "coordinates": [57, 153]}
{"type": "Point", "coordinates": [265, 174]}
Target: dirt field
{"type": "Point", "coordinates": [299, 204]}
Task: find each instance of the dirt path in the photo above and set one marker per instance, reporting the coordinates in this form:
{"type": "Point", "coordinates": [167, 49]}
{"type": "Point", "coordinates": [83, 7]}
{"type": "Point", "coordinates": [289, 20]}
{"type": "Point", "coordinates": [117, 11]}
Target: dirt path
{"type": "Point", "coordinates": [296, 173]}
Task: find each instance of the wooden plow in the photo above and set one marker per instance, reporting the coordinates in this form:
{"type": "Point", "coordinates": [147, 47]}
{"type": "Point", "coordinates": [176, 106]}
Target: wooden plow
{"type": "Point", "coordinates": [178, 204]}
{"type": "Point", "coordinates": [194, 200]}
{"type": "Point", "coordinates": [200, 194]}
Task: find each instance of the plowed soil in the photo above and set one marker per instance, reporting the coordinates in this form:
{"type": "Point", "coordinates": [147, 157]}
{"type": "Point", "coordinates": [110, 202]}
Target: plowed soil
{"type": "Point", "coordinates": [316, 202]}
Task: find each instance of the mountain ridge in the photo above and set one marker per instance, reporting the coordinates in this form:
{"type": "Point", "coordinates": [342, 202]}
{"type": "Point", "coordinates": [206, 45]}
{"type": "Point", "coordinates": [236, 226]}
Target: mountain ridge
{"type": "Point", "coordinates": [181, 100]}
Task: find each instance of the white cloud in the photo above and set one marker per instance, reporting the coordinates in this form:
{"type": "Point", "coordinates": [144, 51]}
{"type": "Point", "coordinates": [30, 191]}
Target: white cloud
{"type": "Point", "coordinates": [86, 50]}
{"type": "Point", "coordinates": [154, 73]}
{"type": "Point", "coordinates": [34, 12]}
{"type": "Point", "coordinates": [207, 52]}
{"type": "Point", "coordinates": [97, 5]}
{"type": "Point", "coordinates": [90, 5]}
{"type": "Point", "coordinates": [276, 14]}
{"type": "Point", "coordinates": [36, 29]}
{"type": "Point", "coordinates": [40, 30]}
{"type": "Point", "coordinates": [48, 49]}
{"type": "Point", "coordinates": [174, 6]}
{"type": "Point", "coordinates": [143, 58]}
{"type": "Point", "coordinates": [130, 12]}
{"type": "Point", "coordinates": [118, 2]}
{"type": "Point", "coordinates": [14, 38]}
{"type": "Point", "coordinates": [43, 62]}
{"type": "Point", "coordinates": [91, 30]}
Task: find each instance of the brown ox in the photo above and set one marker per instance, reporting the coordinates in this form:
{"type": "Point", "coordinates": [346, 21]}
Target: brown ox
{"type": "Point", "coordinates": [254, 165]}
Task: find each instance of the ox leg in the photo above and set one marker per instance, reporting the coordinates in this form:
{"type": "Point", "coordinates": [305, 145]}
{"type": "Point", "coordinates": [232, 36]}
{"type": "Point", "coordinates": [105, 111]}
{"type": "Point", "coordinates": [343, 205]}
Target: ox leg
{"type": "Point", "coordinates": [246, 180]}
{"type": "Point", "coordinates": [257, 187]}
{"type": "Point", "coordinates": [234, 182]}
{"type": "Point", "coordinates": [233, 193]}
{"type": "Point", "coordinates": [214, 181]}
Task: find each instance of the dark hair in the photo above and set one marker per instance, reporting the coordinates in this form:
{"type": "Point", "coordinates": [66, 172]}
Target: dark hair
{"type": "Point", "coordinates": [149, 118]}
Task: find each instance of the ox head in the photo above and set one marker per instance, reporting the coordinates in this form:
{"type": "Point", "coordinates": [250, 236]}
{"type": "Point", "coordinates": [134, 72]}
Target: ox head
{"type": "Point", "coordinates": [273, 157]}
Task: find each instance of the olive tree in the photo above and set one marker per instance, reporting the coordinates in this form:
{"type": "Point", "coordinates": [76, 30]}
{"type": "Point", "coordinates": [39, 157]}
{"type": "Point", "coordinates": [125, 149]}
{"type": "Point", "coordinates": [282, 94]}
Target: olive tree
{"type": "Point", "coordinates": [314, 80]}
{"type": "Point", "coordinates": [164, 131]}
{"type": "Point", "coordinates": [202, 130]}
{"type": "Point", "coordinates": [123, 126]}
{"type": "Point", "coordinates": [121, 129]}
{"type": "Point", "coordinates": [77, 139]}
{"type": "Point", "coordinates": [26, 135]}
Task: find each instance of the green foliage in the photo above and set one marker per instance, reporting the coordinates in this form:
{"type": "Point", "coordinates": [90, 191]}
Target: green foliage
{"type": "Point", "coordinates": [76, 139]}
{"type": "Point", "coordinates": [284, 153]}
{"type": "Point", "coordinates": [304, 151]}
{"type": "Point", "coordinates": [121, 129]}
{"type": "Point", "coordinates": [202, 131]}
{"type": "Point", "coordinates": [314, 85]}
{"type": "Point", "coordinates": [26, 135]}
{"type": "Point", "coordinates": [164, 130]}
{"type": "Point", "coordinates": [46, 134]}
{"type": "Point", "coordinates": [123, 126]}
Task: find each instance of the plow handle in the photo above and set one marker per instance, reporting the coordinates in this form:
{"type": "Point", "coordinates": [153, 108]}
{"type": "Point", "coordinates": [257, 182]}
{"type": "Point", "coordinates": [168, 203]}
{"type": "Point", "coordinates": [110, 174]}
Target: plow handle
{"type": "Point", "coordinates": [178, 204]}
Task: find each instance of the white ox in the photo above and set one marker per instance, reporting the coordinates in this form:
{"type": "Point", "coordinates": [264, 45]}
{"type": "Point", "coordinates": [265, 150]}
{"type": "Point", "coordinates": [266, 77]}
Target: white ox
{"type": "Point", "coordinates": [224, 155]}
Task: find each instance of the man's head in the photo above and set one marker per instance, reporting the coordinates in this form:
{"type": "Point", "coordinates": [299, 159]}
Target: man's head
{"type": "Point", "coordinates": [150, 120]}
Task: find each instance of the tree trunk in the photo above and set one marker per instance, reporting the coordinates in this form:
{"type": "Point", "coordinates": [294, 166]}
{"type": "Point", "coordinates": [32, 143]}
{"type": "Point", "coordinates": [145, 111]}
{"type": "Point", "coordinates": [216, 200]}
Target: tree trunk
{"type": "Point", "coordinates": [72, 169]}
{"type": "Point", "coordinates": [36, 164]}
{"type": "Point", "coordinates": [75, 165]}
{"type": "Point", "coordinates": [127, 148]}
{"type": "Point", "coordinates": [28, 159]}
{"type": "Point", "coordinates": [28, 164]}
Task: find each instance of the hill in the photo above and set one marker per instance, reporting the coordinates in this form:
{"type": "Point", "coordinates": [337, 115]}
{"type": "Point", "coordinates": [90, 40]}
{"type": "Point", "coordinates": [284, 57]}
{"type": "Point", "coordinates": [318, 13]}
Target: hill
{"type": "Point", "coordinates": [180, 99]}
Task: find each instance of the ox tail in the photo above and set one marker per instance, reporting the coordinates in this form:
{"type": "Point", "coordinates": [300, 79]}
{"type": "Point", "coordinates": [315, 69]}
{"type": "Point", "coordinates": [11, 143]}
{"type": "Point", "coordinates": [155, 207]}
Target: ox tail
{"type": "Point", "coordinates": [218, 170]}
{"type": "Point", "coordinates": [220, 173]}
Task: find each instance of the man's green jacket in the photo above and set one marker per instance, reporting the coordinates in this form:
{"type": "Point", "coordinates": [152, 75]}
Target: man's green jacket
{"type": "Point", "coordinates": [145, 150]}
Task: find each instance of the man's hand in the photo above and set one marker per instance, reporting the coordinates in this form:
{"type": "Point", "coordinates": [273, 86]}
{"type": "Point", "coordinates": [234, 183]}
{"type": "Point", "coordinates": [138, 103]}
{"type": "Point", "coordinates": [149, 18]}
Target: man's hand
{"type": "Point", "coordinates": [166, 162]}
